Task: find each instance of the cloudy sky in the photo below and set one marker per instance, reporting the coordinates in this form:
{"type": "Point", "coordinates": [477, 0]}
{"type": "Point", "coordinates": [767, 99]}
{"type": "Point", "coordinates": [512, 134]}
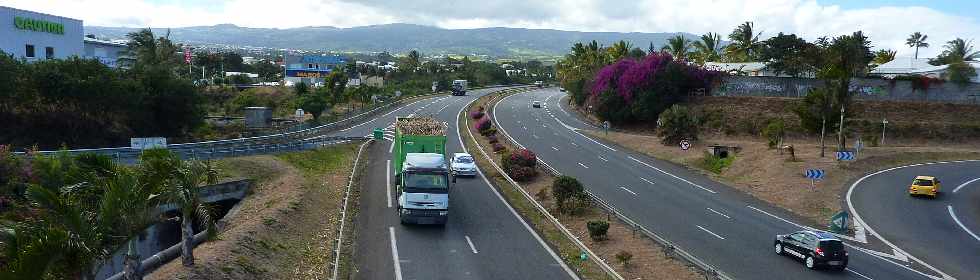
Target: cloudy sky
{"type": "Point", "coordinates": [887, 22]}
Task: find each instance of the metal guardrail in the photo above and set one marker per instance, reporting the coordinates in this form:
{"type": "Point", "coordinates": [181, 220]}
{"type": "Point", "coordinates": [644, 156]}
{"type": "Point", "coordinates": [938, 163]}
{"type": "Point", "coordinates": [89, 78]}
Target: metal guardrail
{"type": "Point", "coordinates": [669, 247]}
{"type": "Point", "coordinates": [289, 141]}
{"type": "Point", "coordinates": [339, 241]}
{"type": "Point", "coordinates": [593, 256]}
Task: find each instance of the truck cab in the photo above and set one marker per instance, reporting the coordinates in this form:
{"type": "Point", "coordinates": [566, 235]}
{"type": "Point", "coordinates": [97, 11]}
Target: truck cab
{"type": "Point", "coordinates": [459, 87]}
{"type": "Point", "coordinates": [423, 196]}
{"type": "Point", "coordinates": [422, 174]}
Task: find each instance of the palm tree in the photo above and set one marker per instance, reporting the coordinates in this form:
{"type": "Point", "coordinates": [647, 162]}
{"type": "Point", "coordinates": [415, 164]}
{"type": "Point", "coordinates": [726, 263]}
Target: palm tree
{"type": "Point", "coordinates": [678, 46]}
{"type": "Point", "coordinates": [618, 50]}
{"type": "Point", "coordinates": [917, 40]}
{"type": "Point", "coordinates": [959, 50]}
{"type": "Point", "coordinates": [883, 56]}
{"type": "Point", "coordinates": [745, 43]}
{"type": "Point", "coordinates": [183, 190]}
{"type": "Point", "coordinates": [707, 48]}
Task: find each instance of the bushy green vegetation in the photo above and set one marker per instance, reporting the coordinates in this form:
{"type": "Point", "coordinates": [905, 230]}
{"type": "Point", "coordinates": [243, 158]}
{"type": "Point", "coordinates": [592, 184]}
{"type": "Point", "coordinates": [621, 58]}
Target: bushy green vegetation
{"type": "Point", "coordinates": [82, 103]}
{"type": "Point", "coordinates": [678, 123]}
{"type": "Point", "coordinates": [61, 215]}
{"type": "Point", "coordinates": [715, 163]}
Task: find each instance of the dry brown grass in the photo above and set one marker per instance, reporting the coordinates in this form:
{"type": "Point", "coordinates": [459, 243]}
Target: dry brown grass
{"type": "Point", "coordinates": [648, 260]}
{"type": "Point", "coordinates": [772, 177]}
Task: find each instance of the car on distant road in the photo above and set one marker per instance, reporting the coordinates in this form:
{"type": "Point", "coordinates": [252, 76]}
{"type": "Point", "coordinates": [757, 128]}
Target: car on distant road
{"type": "Point", "coordinates": [814, 248]}
{"type": "Point", "coordinates": [463, 165]}
{"type": "Point", "coordinates": [924, 185]}
{"type": "Point", "coordinates": [536, 104]}
{"type": "Point", "coordinates": [561, 89]}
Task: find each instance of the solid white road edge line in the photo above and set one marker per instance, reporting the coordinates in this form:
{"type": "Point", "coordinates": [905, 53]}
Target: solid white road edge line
{"type": "Point", "coordinates": [712, 233]}
{"type": "Point", "coordinates": [719, 213]}
{"type": "Point", "coordinates": [964, 184]}
{"type": "Point", "coordinates": [511, 208]}
{"type": "Point", "coordinates": [872, 253]}
{"type": "Point", "coordinates": [858, 220]}
{"type": "Point", "coordinates": [394, 254]}
{"type": "Point", "coordinates": [858, 274]}
{"type": "Point", "coordinates": [672, 175]}
{"type": "Point", "coordinates": [957, 220]}
{"type": "Point", "coordinates": [388, 181]}
{"type": "Point", "coordinates": [627, 190]}
{"type": "Point", "coordinates": [471, 244]}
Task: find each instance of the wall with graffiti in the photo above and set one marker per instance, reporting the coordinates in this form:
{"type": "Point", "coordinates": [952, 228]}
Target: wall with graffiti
{"type": "Point", "coordinates": [864, 89]}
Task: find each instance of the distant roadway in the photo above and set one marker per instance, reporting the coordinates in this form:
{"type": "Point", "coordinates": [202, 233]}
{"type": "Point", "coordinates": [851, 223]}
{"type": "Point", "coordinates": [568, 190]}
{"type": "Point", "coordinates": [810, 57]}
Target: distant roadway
{"type": "Point", "coordinates": [484, 238]}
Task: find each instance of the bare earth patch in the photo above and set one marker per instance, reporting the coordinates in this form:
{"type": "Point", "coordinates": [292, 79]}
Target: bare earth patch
{"type": "Point", "coordinates": [648, 261]}
{"type": "Point", "coordinates": [285, 227]}
{"type": "Point", "coordinates": [774, 178]}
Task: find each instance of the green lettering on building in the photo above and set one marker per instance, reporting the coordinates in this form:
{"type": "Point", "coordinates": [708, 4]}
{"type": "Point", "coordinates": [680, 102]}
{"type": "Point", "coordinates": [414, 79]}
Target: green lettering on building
{"type": "Point", "coordinates": [39, 25]}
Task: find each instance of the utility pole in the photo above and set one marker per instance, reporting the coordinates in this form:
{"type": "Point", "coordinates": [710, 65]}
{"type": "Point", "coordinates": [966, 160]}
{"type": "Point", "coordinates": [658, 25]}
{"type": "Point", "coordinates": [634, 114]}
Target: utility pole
{"type": "Point", "coordinates": [823, 132]}
{"type": "Point", "coordinates": [884, 122]}
{"type": "Point", "coordinates": [840, 132]}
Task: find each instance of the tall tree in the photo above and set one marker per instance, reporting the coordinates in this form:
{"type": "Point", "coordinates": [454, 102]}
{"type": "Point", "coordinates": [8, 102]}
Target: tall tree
{"type": "Point", "coordinates": [651, 49]}
{"type": "Point", "coordinates": [707, 48]}
{"type": "Point", "coordinates": [844, 58]}
{"type": "Point", "coordinates": [957, 50]}
{"type": "Point", "coordinates": [414, 60]}
{"type": "Point", "coordinates": [917, 40]}
{"type": "Point", "coordinates": [788, 54]}
{"type": "Point", "coordinates": [678, 46]}
{"type": "Point", "coordinates": [745, 43]}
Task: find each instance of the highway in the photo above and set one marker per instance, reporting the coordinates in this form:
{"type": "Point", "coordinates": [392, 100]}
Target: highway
{"type": "Point", "coordinates": [484, 238]}
{"type": "Point", "coordinates": [944, 231]}
{"type": "Point", "coordinates": [726, 228]}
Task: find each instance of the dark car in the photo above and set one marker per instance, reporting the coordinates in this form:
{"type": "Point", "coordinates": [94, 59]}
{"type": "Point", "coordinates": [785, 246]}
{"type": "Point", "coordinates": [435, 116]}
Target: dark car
{"type": "Point", "coordinates": [814, 248]}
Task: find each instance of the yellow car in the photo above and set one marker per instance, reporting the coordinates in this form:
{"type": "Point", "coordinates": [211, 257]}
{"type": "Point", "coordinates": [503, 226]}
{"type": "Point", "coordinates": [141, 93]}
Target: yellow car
{"type": "Point", "coordinates": [924, 185]}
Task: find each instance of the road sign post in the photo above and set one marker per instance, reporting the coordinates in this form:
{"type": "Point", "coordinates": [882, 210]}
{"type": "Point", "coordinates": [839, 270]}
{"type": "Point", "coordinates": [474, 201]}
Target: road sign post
{"type": "Point", "coordinates": [838, 223]}
{"type": "Point", "coordinates": [884, 124]}
{"type": "Point", "coordinates": [813, 175]}
{"type": "Point", "coordinates": [685, 144]}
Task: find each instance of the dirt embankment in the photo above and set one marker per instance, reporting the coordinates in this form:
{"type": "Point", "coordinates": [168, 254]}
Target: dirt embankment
{"type": "Point", "coordinates": [285, 227]}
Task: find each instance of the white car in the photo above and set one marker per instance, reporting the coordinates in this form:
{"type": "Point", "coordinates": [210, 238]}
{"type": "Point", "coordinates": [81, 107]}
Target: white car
{"type": "Point", "coordinates": [463, 165]}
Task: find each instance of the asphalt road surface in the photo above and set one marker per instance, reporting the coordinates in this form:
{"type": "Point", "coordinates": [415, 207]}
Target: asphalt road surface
{"type": "Point", "coordinates": [942, 231]}
{"type": "Point", "coordinates": [484, 238]}
{"type": "Point", "coordinates": [726, 228]}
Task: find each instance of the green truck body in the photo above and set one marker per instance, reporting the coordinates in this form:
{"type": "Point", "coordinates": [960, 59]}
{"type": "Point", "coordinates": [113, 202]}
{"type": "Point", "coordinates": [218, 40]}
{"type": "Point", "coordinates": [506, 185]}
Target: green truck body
{"type": "Point", "coordinates": [406, 143]}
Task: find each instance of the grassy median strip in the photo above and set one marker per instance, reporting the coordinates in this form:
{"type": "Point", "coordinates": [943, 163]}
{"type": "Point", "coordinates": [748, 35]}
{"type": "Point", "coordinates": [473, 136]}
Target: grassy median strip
{"type": "Point", "coordinates": [631, 254]}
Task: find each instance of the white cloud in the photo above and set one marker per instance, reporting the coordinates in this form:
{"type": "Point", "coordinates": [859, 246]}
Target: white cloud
{"type": "Point", "coordinates": [886, 26]}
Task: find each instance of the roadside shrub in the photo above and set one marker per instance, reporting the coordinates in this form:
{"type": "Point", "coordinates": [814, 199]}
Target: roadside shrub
{"type": "Point", "coordinates": [624, 258]}
{"type": "Point", "coordinates": [565, 188]}
{"type": "Point", "coordinates": [597, 229]}
{"type": "Point", "coordinates": [678, 123]}
{"type": "Point", "coordinates": [716, 164]}
{"type": "Point", "coordinates": [489, 132]}
{"type": "Point", "coordinates": [871, 140]}
{"type": "Point", "coordinates": [774, 132]}
{"type": "Point", "coordinates": [499, 148]}
{"type": "Point", "coordinates": [476, 115]}
{"type": "Point", "coordinates": [492, 138]}
{"type": "Point", "coordinates": [482, 124]}
{"type": "Point", "coordinates": [519, 164]}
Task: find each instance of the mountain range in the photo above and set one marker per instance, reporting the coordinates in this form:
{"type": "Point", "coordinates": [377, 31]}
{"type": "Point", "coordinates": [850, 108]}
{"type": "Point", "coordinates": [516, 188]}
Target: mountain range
{"type": "Point", "coordinates": [398, 38]}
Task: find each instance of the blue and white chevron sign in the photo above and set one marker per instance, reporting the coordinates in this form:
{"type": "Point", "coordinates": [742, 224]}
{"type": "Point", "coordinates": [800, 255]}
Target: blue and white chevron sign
{"type": "Point", "coordinates": [813, 174]}
{"type": "Point", "coordinates": [845, 155]}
